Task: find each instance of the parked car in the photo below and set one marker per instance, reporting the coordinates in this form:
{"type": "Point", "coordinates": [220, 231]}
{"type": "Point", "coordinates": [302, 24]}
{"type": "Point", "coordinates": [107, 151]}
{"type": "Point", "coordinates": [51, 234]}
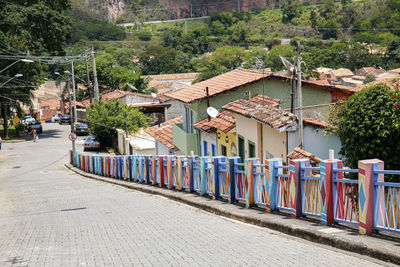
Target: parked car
{"type": "Point", "coordinates": [82, 129]}
{"type": "Point", "coordinates": [34, 125]}
{"type": "Point", "coordinates": [55, 118]}
{"type": "Point", "coordinates": [65, 119]}
{"type": "Point", "coordinates": [29, 120]}
{"type": "Point", "coordinates": [91, 143]}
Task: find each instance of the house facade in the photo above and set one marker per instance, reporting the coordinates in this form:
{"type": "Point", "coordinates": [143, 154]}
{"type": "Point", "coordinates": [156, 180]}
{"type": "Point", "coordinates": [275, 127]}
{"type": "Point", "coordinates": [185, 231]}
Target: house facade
{"type": "Point", "coordinates": [238, 84]}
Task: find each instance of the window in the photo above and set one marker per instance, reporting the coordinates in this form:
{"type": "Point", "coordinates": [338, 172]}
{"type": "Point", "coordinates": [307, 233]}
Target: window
{"type": "Point", "coordinates": [205, 150]}
{"type": "Point", "coordinates": [241, 147]}
{"type": "Point", "coordinates": [213, 150]}
{"type": "Point", "coordinates": [252, 150]}
{"type": "Point", "coordinates": [223, 150]}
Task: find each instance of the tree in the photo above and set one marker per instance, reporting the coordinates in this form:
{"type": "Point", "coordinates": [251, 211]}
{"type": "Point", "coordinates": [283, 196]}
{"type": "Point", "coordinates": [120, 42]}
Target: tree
{"type": "Point", "coordinates": [273, 59]}
{"type": "Point", "coordinates": [290, 9]}
{"type": "Point", "coordinates": [105, 117]}
{"type": "Point", "coordinates": [368, 125]}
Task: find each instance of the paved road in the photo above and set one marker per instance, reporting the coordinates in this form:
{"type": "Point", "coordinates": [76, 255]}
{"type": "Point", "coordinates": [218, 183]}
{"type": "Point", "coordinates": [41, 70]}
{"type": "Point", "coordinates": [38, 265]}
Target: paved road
{"type": "Point", "coordinates": [52, 217]}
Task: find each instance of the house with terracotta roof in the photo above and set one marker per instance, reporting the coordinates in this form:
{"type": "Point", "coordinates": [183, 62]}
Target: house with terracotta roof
{"type": "Point", "coordinates": [264, 130]}
{"type": "Point", "coordinates": [164, 139]}
{"type": "Point", "coordinates": [218, 135]}
{"type": "Point", "coordinates": [238, 84]}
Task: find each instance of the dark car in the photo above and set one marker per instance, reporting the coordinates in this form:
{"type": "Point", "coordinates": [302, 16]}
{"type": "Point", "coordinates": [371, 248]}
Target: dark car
{"type": "Point", "coordinates": [82, 129]}
{"type": "Point", "coordinates": [91, 143]}
{"type": "Point", "coordinates": [65, 119]}
{"type": "Point", "coordinates": [34, 125]}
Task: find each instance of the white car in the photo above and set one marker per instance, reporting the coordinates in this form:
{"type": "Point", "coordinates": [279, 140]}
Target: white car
{"type": "Point", "coordinates": [55, 118]}
{"type": "Point", "coordinates": [29, 121]}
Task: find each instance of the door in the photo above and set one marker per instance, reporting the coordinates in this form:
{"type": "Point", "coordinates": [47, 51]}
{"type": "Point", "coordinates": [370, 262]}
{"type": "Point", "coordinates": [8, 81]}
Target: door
{"type": "Point", "coordinates": [213, 150]}
{"type": "Point", "coordinates": [241, 147]}
{"type": "Point", "coordinates": [252, 150]}
{"type": "Point", "coordinates": [205, 148]}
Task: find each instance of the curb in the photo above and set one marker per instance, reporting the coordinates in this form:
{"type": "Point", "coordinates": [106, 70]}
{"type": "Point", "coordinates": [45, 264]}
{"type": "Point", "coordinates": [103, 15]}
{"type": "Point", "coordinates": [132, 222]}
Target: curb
{"type": "Point", "coordinates": [274, 221]}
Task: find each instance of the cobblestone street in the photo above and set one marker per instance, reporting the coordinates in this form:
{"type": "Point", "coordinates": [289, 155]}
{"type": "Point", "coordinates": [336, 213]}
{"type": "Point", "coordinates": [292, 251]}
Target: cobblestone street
{"type": "Point", "coordinates": [50, 216]}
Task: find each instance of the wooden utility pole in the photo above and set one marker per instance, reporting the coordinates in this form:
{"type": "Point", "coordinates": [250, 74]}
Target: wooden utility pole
{"type": "Point", "coordinates": [208, 101]}
{"type": "Point", "coordinates": [95, 83]}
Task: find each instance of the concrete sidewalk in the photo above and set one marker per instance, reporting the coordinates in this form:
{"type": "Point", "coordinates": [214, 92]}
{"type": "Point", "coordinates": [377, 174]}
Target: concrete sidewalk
{"type": "Point", "coordinates": [383, 247]}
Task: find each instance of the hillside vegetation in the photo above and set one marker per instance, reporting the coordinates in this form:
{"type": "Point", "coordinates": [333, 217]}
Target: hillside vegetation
{"type": "Point", "coordinates": [334, 34]}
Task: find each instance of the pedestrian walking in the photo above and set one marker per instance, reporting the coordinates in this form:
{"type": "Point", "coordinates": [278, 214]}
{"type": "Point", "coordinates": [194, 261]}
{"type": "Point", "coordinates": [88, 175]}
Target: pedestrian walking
{"type": "Point", "coordinates": [35, 135]}
{"type": "Point", "coordinates": [0, 142]}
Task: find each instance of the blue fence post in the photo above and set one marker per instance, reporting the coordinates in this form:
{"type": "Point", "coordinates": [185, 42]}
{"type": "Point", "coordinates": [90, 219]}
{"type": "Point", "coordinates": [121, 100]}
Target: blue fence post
{"type": "Point", "coordinates": [215, 176]}
{"type": "Point", "coordinates": [271, 172]}
{"type": "Point", "coordinates": [191, 162]}
{"type": "Point", "coordinates": [231, 163]}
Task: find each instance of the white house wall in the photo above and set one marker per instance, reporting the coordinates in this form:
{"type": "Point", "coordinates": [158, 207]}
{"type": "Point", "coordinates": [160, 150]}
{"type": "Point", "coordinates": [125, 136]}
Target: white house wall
{"type": "Point", "coordinates": [315, 142]}
{"type": "Point", "coordinates": [210, 138]}
{"type": "Point", "coordinates": [247, 128]}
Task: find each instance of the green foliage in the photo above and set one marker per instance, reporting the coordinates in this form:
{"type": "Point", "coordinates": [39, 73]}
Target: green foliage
{"type": "Point", "coordinates": [368, 125]}
{"type": "Point", "coordinates": [290, 10]}
{"type": "Point", "coordinates": [102, 115]}
{"type": "Point", "coordinates": [95, 30]}
{"type": "Point", "coordinates": [144, 36]}
{"type": "Point", "coordinates": [273, 59]}
{"type": "Point", "coordinates": [369, 78]}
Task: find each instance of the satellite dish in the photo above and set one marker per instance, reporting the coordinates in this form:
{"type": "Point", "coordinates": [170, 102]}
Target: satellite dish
{"type": "Point", "coordinates": [212, 112]}
{"type": "Point", "coordinates": [288, 65]}
{"type": "Point", "coordinates": [153, 95]}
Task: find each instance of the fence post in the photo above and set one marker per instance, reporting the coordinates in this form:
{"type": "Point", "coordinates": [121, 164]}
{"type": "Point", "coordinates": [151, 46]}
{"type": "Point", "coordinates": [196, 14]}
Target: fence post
{"type": "Point", "coordinates": [366, 179]}
{"type": "Point", "coordinates": [271, 172]}
{"type": "Point", "coordinates": [326, 189]}
{"type": "Point", "coordinates": [203, 177]}
{"type": "Point", "coordinates": [215, 176]}
{"type": "Point", "coordinates": [179, 165]}
{"type": "Point", "coordinates": [191, 172]}
{"type": "Point", "coordinates": [248, 166]}
{"type": "Point", "coordinates": [295, 186]}
{"type": "Point", "coordinates": [170, 173]}
{"type": "Point", "coordinates": [161, 170]}
{"type": "Point", "coordinates": [153, 170]}
{"type": "Point", "coordinates": [231, 162]}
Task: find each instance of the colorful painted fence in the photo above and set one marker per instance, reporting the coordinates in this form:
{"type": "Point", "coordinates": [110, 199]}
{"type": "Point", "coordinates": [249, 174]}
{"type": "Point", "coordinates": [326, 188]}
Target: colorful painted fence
{"type": "Point", "coordinates": [321, 192]}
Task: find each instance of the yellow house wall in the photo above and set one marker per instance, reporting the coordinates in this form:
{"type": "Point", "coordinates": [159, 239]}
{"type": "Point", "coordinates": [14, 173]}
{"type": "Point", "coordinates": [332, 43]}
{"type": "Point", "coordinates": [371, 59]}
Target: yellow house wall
{"type": "Point", "coordinates": [228, 140]}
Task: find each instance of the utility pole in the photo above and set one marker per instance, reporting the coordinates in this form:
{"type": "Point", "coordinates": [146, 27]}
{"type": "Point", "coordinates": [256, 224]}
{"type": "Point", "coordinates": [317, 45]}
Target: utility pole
{"type": "Point", "coordinates": [88, 78]}
{"type": "Point", "coordinates": [126, 124]}
{"type": "Point", "coordinates": [95, 84]}
{"type": "Point", "coordinates": [70, 112]}
{"type": "Point", "coordinates": [191, 10]}
{"type": "Point", "coordinates": [74, 92]}
{"type": "Point", "coordinates": [208, 101]}
{"type": "Point", "coordinates": [300, 96]}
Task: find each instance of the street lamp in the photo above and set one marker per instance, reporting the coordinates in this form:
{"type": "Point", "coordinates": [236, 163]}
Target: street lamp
{"type": "Point", "coordinates": [20, 60]}
{"type": "Point", "coordinates": [12, 78]}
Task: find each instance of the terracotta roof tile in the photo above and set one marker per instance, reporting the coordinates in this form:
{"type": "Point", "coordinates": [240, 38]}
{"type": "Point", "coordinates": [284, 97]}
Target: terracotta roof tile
{"type": "Point", "coordinates": [225, 121]}
{"type": "Point", "coordinates": [235, 79]}
{"type": "Point", "coordinates": [315, 122]}
{"type": "Point", "coordinates": [114, 94]}
{"type": "Point", "coordinates": [163, 132]}
{"type": "Point", "coordinates": [270, 115]}
{"type": "Point", "coordinates": [299, 153]}
{"type": "Point", "coordinates": [216, 85]}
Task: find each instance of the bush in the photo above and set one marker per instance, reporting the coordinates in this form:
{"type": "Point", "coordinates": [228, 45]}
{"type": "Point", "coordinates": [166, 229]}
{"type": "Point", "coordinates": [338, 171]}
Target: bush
{"type": "Point", "coordinates": [368, 125]}
{"type": "Point", "coordinates": [144, 36]}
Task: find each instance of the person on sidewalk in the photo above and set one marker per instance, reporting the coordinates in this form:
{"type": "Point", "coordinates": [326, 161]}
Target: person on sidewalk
{"type": "Point", "coordinates": [0, 142]}
{"type": "Point", "coordinates": [35, 135]}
